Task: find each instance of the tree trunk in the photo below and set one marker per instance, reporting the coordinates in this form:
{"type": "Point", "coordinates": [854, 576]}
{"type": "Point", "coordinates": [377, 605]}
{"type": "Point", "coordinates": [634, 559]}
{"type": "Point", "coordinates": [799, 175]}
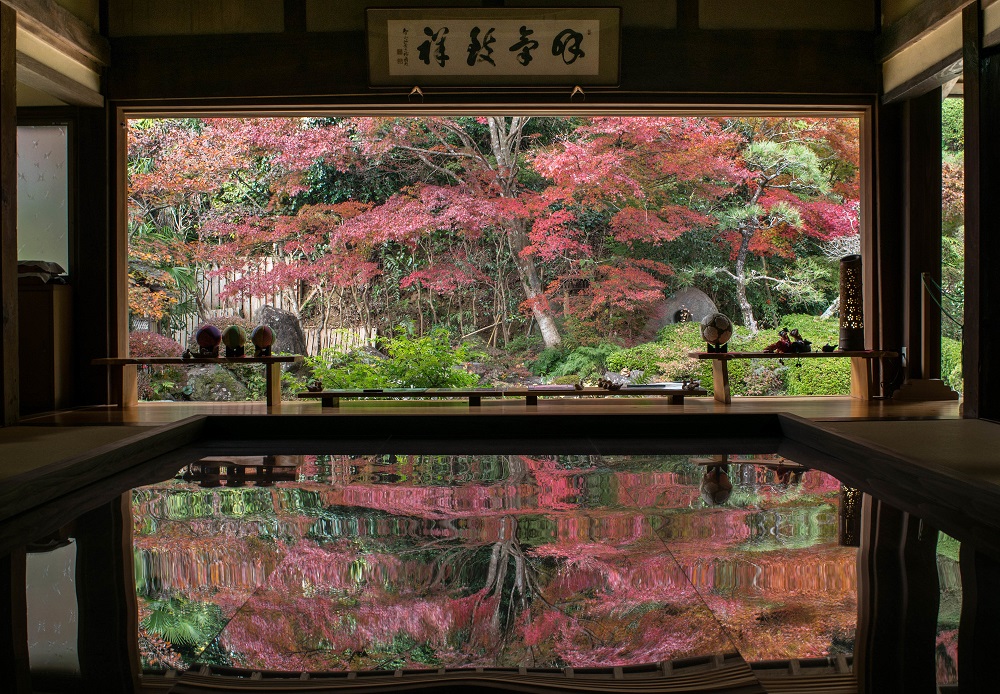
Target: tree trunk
{"type": "Point", "coordinates": [505, 143]}
{"type": "Point", "coordinates": [532, 284]}
{"type": "Point", "coordinates": [741, 283]}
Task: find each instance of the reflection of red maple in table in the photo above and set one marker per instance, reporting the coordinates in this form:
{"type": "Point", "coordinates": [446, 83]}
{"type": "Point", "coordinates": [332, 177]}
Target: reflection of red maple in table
{"type": "Point", "coordinates": [529, 569]}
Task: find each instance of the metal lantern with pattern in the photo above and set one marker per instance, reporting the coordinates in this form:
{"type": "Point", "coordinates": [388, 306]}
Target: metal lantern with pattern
{"type": "Point", "coordinates": [852, 318]}
{"type": "Point", "coordinates": [849, 517]}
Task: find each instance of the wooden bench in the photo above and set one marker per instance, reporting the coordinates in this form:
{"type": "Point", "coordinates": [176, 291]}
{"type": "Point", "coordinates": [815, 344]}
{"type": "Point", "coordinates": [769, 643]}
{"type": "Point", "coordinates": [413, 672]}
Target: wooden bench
{"type": "Point", "coordinates": [127, 368]}
{"type": "Point", "coordinates": [332, 397]}
{"type": "Point", "coordinates": [675, 391]}
{"type": "Point", "coordinates": [862, 385]}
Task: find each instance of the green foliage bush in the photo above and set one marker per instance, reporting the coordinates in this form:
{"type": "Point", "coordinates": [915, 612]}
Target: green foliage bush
{"type": "Point", "coordinates": [587, 363]}
{"type": "Point", "coordinates": [817, 376]}
{"type": "Point", "coordinates": [427, 362]}
{"type": "Point", "coordinates": [546, 361]}
{"type": "Point", "coordinates": [413, 362]}
{"type": "Point", "coordinates": [953, 125]}
{"type": "Point", "coordinates": [667, 359]}
{"type": "Point", "coordinates": [951, 364]}
{"type": "Point", "coordinates": [584, 362]}
{"type": "Point", "coordinates": [523, 343]}
{"type": "Point", "coordinates": [146, 344]}
{"type": "Point", "coordinates": [648, 357]}
{"type": "Point", "coordinates": [156, 382]}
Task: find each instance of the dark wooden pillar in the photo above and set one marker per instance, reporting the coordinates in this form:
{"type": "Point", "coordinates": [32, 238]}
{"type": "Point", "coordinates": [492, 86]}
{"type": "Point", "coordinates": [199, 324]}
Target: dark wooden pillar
{"type": "Point", "coordinates": [92, 306]}
{"type": "Point", "coordinates": [106, 598]}
{"type": "Point", "coordinates": [14, 623]}
{"type": "Point", "coordinates": [921, 600]}
{"type": "Point", "coordinates": [897, 602]}
{"type": "Point", "coordinates": [979, 625]}
{"type": "Point", "coordinates": [876, 657]}
{"type": "Point", "coordinates": [981, 358]}
{"type": "Point", "coordinates": [122, 381]}
{"type": "Point", "coordinates": [922, 222]}
{"type": "Point", "coordinates": [921, 249]}
{"type": "Point", "coordinates": [884, 276]}
{"type": "Point", "coordinates": [9, 400]}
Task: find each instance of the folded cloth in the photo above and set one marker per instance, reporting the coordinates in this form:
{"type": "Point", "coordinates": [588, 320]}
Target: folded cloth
{"type": "Point", "coordinates": [39, 272]}
{"type": "Point", "coordinates": [46, 266]}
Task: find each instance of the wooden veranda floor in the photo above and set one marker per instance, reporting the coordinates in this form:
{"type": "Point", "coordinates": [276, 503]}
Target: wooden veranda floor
{"type": "Point", "coordinates": [820, 408]}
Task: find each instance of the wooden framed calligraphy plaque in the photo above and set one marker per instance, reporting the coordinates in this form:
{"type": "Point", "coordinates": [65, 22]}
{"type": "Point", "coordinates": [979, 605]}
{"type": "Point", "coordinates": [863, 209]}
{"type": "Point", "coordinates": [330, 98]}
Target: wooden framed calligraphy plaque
{"type": "Point", "coordinates": [493, 47]}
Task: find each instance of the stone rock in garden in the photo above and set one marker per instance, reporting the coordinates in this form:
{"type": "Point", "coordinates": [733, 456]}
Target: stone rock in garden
{"type": "Point", "coordinates": [288, 335]}
{"type": "Point", "coordinates": [696, 302]}
{"type": "Point", "coordinates": [374, 352]}
{"type": "Point", "coordinates": [623, 377]}
{"type": "Point", "coordinates": [214, 383]}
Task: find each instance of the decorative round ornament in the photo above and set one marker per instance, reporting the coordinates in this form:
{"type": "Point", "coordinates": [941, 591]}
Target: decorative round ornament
{"type": "Point", "coordinates": [234, 336]}
{"type": "Point", "coordinates": [262, 336]}
{"type": "Point", "coordinates": [208, 336]}
{"type": "Point", "coordinates": [716, 329]}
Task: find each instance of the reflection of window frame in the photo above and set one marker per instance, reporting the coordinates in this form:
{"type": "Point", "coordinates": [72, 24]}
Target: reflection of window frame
{"type": "Point", "coordinates": [56, 117]}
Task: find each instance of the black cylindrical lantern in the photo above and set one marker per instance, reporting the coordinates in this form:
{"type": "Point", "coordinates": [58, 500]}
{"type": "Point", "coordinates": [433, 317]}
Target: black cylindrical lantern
{"type": "Point", "coordinates": [849, 517]}
{"type": "Point", "coordinates": [852, 319]}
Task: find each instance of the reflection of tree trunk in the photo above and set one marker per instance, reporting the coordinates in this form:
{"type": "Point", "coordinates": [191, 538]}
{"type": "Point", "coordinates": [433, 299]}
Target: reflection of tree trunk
{"type": "Point", "coordinates": [532, 284]}
{"type": "Point", "coordinates": [741, 282]}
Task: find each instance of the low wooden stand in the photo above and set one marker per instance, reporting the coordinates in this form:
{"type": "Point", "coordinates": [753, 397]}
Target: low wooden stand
{"type": "Point", "coordinates": [127, 372]}
{"type": "Point", "coordinates": [331, 398]}
{"type": "Point", "coordinates": [862, 385]}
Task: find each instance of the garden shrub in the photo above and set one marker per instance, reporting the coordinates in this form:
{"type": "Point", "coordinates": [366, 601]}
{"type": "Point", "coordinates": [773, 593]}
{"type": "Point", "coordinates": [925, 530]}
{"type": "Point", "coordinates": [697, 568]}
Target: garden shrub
{"type": "Point", "coordinates": [413, 362]}
{"type": "Point", "coordinates": [750, 377]}
{"type": "Point", "coordinates": [648, 357]}
{"type": "Point", "coordinates": [156, 382]}
{"type": "Point", "coordinates": [427, 362]}
{"type": "Point", "coordinates": [355, 369]}
{"type": "Point", "coordinates": [953, 125]}
{"type": "Point", "coordinates": [546, 361]}
{"type": "Point", "coordinates": [523, 343]}
{"type": "Point", "coordinates": [587, 363]}
{"type": "Point", "coordinates": [818, 376]}
{"type": "Point", "coordinates": [144, 344]}
{"type": "Point", "coordinates": [951, 363]}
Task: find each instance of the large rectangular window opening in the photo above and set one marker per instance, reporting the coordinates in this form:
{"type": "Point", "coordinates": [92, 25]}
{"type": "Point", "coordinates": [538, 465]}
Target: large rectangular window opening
{"type": "Point", "coordinates": [493, 250]}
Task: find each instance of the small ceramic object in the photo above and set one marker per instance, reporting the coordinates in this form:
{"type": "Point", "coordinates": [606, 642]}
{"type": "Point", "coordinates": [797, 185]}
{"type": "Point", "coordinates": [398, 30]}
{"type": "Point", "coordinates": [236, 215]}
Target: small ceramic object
{"type": "Point", "coordinates": [234, 338]}
{"type": "Point", "coordinates": [262, 338]}
{"type": "Point", "coordinates": [716, 329]}
{"type": "Point", "coordinates": [799, 343]}
{"type": "Point", "coordinates": [208, 338]}
{"type": "Point", "coordinates": [783, 345]}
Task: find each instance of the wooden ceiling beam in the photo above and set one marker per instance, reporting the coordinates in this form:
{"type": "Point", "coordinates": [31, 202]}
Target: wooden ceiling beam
{"type": "Point", "coordinates": [329, 64]}
{"type": "Point", "coordinates": [911, 27]}
{"type": "Point", "coordinates": [940, 73]}
{"type": "Point", "coordinates": [61, 29]}
{"type": "Point", "coordinates": [46, 79]}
